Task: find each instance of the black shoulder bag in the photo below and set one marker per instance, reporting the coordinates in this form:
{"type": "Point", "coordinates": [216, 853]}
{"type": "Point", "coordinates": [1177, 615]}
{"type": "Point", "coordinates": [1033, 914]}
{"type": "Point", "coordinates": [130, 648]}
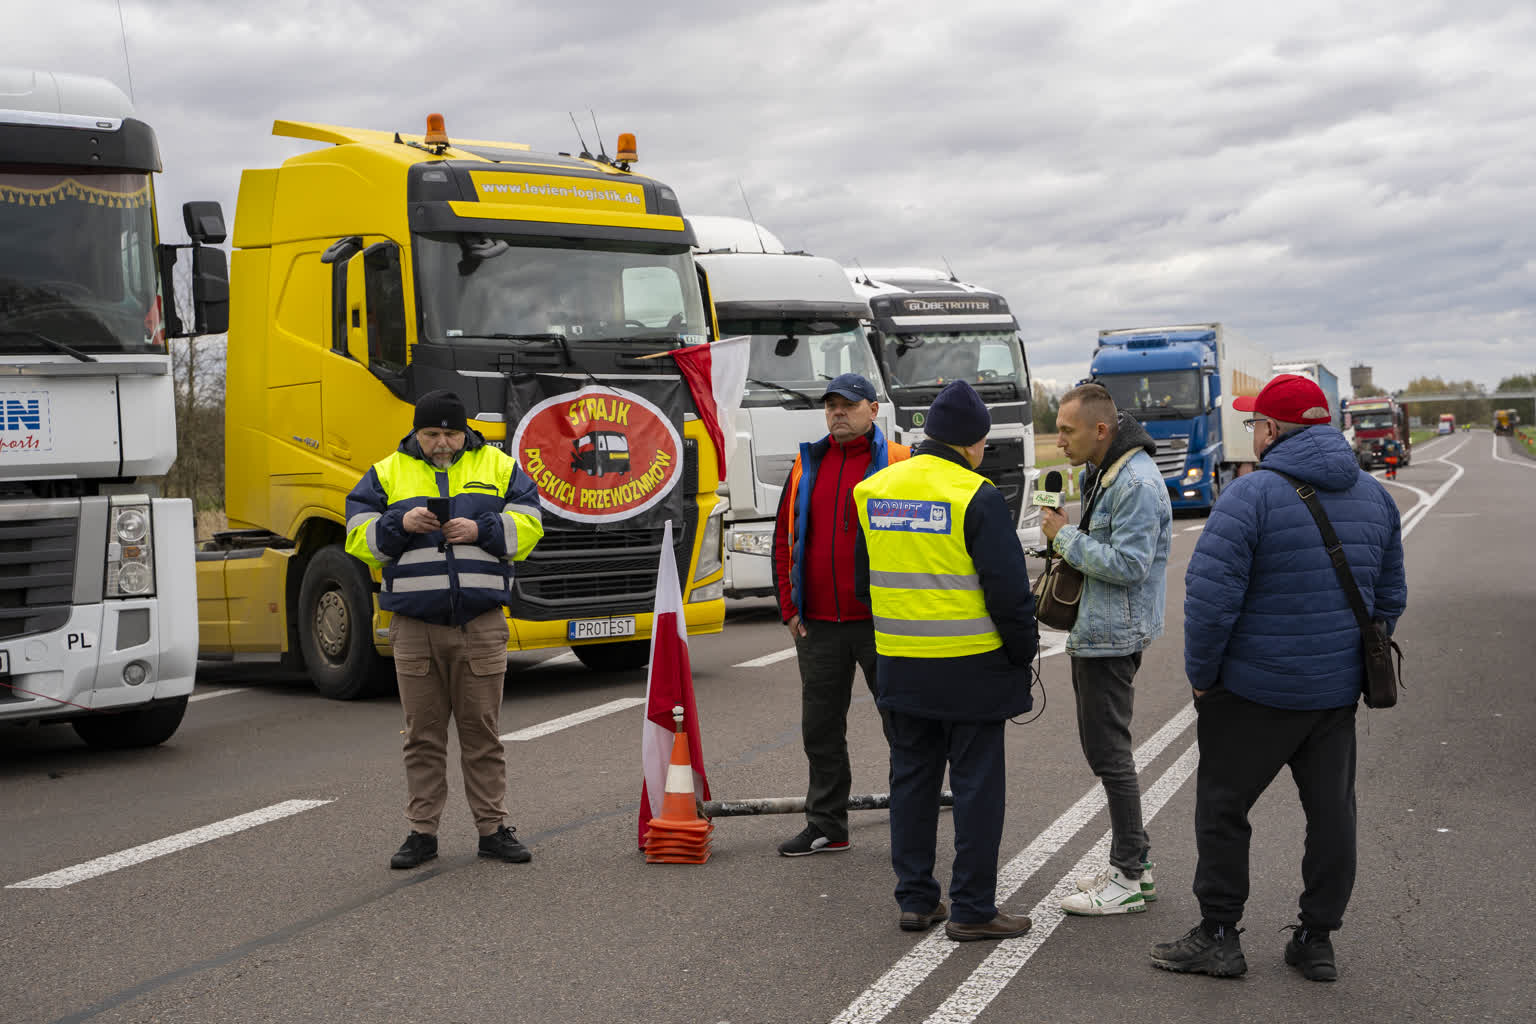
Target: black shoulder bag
{"type": "Point", "coordinates": [1383, 658]}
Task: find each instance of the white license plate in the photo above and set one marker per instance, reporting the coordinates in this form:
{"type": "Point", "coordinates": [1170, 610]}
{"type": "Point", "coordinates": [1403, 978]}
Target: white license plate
{"type": "Point", "coordinates": [600, 629]}
{"type": "Point", "coordinates": [5, 663]}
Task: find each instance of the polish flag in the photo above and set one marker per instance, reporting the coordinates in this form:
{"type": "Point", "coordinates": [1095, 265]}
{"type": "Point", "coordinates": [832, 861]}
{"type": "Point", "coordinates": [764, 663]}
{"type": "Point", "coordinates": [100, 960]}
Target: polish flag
{"type": "Point", "coordinates": [717, 379]}
{"type": "Point", "coordinates": [670, 683]}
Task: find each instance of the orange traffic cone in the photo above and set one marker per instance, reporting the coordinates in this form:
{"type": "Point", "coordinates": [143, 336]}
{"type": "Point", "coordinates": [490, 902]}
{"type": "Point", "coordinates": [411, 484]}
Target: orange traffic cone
{"type": "Point", "coordinates": [678, 835]}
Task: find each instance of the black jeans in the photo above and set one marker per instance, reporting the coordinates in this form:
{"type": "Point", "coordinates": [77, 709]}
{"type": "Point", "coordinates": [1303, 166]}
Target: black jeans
{"type": "Point", "coordinates": [920, 748]}
{"type": "Point", "coordinates": [1243, 746]}
{"type": "Point", "coordinates": [1105, 692]}
{"type": "Point", "coordinates": [828, 655]}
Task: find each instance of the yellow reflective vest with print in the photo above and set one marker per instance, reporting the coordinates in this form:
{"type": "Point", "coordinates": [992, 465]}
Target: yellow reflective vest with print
{"type": "Point", "coordinates": [424, 576]}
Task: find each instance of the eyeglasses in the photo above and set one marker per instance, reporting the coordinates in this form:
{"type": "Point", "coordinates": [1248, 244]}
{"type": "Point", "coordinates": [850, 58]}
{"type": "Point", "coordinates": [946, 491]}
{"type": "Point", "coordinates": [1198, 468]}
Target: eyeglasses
{"type": "Point", "coordinates": [1249, 424]}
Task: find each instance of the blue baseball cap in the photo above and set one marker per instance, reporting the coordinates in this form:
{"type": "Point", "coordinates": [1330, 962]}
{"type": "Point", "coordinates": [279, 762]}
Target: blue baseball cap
{"type": "Point", "coordinates": [852, 387]}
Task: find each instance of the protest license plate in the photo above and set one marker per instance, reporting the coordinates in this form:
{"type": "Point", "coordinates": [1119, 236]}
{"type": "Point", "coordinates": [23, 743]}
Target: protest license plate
{"type": "Point", "coordinates": [600, 629]}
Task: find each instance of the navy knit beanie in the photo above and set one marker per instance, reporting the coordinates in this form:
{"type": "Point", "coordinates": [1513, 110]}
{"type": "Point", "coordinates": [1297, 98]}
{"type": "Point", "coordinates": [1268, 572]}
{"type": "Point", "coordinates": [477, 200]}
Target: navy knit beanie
{"type": "Point", "coordinates": [958, 415]}
{"type": "Point", "coordinates": [440, 409]}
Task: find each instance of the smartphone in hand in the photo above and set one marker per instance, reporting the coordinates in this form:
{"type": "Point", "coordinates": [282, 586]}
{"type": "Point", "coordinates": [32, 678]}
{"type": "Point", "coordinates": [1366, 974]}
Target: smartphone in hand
{"type": "Point", "coordinates": [440, 507]}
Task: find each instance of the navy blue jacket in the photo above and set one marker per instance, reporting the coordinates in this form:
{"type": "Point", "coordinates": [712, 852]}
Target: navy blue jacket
{"type": "Point", "coordinates": [1264, 614]}
{"type": "Point", "coordinates": [987, 687]}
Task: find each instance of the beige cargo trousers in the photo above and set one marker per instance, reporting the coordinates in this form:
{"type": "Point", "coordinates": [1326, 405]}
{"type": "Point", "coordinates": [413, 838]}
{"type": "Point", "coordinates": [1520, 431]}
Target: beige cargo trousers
{"type": "Point", "coordinates": [443, 671]}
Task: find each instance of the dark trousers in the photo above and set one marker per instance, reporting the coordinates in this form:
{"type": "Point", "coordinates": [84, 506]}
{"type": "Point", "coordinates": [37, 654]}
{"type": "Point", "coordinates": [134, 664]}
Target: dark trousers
{"type": "Point", "coordinates": [920, 748]}
{"type": "Point", "coordinates": [1243, 746]}
{"type": "Point", "coordinates": [1105, 691]}
{"type": "Point", "coordinates": [828, 655]}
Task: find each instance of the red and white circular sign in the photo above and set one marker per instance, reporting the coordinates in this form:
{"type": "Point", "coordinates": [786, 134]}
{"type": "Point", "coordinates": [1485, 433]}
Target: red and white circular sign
{"type": "Point", "coordinates": [599, 454]}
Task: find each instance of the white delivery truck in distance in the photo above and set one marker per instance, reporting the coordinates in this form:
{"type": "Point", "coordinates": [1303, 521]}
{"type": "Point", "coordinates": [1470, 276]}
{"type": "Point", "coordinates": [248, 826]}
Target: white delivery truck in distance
{"type": "Point", "coordinates": [98, 601]}
{"type": "Point", "coordinates": [928, 329]}
{"type": "Point", "coordinates": [806, 326]}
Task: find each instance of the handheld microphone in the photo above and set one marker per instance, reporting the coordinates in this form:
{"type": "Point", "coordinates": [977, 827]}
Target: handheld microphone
{"type": "Point", "coordinates": [1049, 494]}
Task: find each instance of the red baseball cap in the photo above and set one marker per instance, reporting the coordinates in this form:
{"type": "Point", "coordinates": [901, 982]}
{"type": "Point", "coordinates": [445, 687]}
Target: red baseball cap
{"type": "Point", "coordinates": [1289, 398]}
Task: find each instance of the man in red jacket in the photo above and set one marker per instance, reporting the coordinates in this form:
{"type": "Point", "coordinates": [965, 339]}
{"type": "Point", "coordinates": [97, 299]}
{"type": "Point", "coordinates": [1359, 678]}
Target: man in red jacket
{"type": "Point", "coordinates": [813, 562]}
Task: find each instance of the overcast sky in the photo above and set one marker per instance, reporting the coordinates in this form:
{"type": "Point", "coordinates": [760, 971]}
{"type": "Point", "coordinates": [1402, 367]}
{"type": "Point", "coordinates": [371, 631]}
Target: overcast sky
{"type": "Point", "coordinates": [1354, 182]}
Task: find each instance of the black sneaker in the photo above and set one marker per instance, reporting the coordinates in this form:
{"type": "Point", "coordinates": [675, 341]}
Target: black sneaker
{"type": "Point", "coordinates": [417, 848]}
{"type": "Point", "coordinates": [812, 840]}
{"type": "Point", "coordinates": [1200, 952]}
{"type": "Point", "coordinates": [503, 845]}
{"type": "Point", "coordinates": [1312, 952]}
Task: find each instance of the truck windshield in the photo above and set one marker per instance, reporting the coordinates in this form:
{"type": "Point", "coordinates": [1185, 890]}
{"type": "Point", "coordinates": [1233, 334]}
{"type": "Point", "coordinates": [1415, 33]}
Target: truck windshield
{"type": "Point", "coordinates": [1372, 420]}
{"type": "Point", "coordinates": [478, 288]}
{"type": "Point", "coordinates": [1171, 395]}
{"type": "Point", "coordinates": [798, 358]}
{"type": "Point", "coordinates": [77, 263]}
{"type": "Point", "coordinates": [980, 357]}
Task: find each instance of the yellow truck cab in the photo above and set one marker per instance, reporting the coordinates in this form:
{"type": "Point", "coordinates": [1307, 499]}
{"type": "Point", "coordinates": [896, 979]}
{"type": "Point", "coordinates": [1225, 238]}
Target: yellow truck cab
{"type": "Point", "coordinates": [383, 266]}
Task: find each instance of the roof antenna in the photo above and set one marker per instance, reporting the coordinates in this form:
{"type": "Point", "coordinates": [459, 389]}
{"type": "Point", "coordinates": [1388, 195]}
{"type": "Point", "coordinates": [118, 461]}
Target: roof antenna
{"type": "Point", "coordinates": [949, 268]}
{"type": "Point", "coordinates": [867, 279]}
{"type": "Point", "coordinates": [750, 217]}
{"type": "Point", "coordinates": [126, 62]}
{"type": "Point", "coordinates": [585, 154]}
{"type": "Point", "coordinates": [602, 154]}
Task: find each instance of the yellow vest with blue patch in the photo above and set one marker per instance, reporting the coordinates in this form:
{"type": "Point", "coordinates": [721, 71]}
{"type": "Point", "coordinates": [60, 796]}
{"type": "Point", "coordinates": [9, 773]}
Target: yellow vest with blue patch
{"type": "Point", "coordinates": [924, 591]}
{"type": "Point", "coordinates": [425, 577]}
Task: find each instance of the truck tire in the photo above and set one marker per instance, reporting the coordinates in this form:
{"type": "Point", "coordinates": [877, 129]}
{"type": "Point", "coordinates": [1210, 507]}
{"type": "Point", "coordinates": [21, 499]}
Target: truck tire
{"type": "Point", "coordinates": [618, 657]}
{"type": "Point", "coordinates": [122, 730]}
{"type": "Point", "coordinates": [335, 618]}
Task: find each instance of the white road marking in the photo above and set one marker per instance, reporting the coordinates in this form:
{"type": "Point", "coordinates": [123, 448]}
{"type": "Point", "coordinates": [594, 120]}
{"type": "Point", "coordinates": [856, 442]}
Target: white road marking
{"type": "Point", "coordinates": [533, 732]}
{"type": "Point", "coordinates": [767, 659]}
{"type": "Point", "coordinates": [1192, 529]}
{"type": "Point", "coordinates": [1522, 461]}
{"type": "Point", "coordinates": [875, 1002]}
{"type": "Point", "coordinates": [1005, 961]}
{"type": "Point", "coordinates": [1419, 511]}
{"type": "Point", "coordinates": [556, 659]}
{"type": "Point", "coordinates": [170, 844]}
{"type": "Point", "coordinates": [210, 694]}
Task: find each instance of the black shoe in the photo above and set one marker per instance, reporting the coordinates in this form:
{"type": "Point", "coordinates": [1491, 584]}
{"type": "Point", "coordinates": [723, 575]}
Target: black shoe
{"type": "Point", "coordinates": [1200, 952]}
{"type": "Point", "coordinates": [417, 848]}
{"type": "Point", "coordinates": [1312, 952]}
{"type": "Point", "coordinates": [917, 921]}
{"type": "Point", "coordinates": [811, 840]}
{"type": "Point", "coordinates": [503, 845]}
{"type": "Point", "coordinates": [1003, 926]}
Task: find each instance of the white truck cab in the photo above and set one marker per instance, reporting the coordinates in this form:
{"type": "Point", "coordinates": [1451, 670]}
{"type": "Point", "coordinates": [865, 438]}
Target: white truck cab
{"type": "Point", "coordinates": [807, 326]}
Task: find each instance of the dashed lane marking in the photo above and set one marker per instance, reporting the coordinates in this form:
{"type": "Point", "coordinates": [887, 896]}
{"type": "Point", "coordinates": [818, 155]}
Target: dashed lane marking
{"type": "Point", "coordinates": [210, 694]}
{"type": "Point", "coordinates": [170, 844]}
{"type": "Point", "coordinates": [533, 732]}
{"type": "Point", "coordinates": [767, 659]}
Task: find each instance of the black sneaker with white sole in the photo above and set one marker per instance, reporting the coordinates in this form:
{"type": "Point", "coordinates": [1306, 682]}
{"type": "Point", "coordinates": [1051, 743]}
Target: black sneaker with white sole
{"type": "Point", "coordinates": [812, 840]}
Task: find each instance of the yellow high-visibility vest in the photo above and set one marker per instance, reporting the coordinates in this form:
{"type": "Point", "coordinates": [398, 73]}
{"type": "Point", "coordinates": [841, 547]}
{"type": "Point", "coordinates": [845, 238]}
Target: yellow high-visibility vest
{"type": "Point", "coordinates": [924, 591]}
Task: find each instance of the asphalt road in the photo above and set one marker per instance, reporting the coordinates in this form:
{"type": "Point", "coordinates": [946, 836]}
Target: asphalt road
{"type": "Point", "coordinates": [298, 918]}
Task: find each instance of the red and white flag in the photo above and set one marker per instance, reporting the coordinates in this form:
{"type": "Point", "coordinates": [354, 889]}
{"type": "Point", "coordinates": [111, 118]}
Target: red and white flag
{"type": "Point", "coordinates": [670, 683]}
{"type": "Point", "coordinates": [717, 379]}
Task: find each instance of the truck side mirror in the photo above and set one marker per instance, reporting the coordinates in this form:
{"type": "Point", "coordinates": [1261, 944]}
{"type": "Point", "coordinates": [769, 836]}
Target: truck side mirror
{"type": "Point", "coordinates": [210, 290]}
{"type": "Point", "coordinates": [205, 222]}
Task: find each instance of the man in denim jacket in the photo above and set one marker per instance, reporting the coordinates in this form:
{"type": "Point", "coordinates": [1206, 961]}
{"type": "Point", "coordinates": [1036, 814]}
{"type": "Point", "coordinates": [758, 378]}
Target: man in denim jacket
{"type": "Point", "coordinates": [1122, 552]}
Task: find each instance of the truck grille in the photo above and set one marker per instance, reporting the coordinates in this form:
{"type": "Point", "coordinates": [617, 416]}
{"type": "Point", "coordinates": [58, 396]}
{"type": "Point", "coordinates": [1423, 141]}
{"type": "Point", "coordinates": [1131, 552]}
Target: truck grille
{"type": "Point", "coordinates": [37, 571]}
{"type": "Point", "coordinates": [577, 572]}
{"type": "Point", "coordinates": [1171, 455]}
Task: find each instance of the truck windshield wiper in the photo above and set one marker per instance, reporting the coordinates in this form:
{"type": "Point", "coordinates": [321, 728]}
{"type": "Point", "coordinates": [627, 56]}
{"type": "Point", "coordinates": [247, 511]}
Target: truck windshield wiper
{"type": "Point", "coordinates": [53, 343]}
{"type": "Point", "coordinates": [807, 399]}
{"type": "Point", "coordinates": [557, 338]}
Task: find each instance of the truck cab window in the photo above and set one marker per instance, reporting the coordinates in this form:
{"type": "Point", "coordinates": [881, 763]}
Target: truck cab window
{"type": "Point", "coordinates": [386, 307]}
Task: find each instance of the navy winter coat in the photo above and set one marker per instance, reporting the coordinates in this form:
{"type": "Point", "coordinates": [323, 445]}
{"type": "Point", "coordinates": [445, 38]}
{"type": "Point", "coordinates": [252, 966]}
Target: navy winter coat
{"type": "Point", "coordinates": [1264, 614]}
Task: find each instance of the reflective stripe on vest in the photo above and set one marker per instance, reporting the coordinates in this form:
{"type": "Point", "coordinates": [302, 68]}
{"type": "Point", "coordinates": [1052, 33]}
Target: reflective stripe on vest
{"type": "Point", "coordinates": [924, 590]}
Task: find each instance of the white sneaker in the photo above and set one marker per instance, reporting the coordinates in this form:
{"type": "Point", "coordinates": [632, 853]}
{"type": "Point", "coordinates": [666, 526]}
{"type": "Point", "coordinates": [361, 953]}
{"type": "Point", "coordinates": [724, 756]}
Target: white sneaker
{"type": "Point", "coordinates": [1112, 893]}
{"type": "Point", "coordinates": [1088, 883]}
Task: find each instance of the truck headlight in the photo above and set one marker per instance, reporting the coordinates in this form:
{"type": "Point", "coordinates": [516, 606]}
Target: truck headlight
{"type": "Point", "coordinates": [1195, 475]}
{"type": "Point", "coordinates": [130, 552]}
{"type": "Point", "coordinates": [750, 542]}
{"type": "Point", "coordinates": [711, 549]}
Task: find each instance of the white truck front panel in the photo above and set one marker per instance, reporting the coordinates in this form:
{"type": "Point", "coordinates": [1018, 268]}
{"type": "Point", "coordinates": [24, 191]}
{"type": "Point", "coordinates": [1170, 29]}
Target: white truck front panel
{"type": "Point", "coordinates": [1245, 369]}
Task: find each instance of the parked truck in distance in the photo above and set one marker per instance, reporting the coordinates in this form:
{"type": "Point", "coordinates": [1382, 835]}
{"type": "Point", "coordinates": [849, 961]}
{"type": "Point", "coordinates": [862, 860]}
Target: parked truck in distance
{"type": "Point", "coordinates": [1447, 424]}
{"type": "Point", "coordinates": [381, 266]}
{"type": "Point", "coordinates": [1373, 420]}
{"type": "Point", "coordinates": [1179, 383]}
{"type": "Point", "coordinates": [97, 606]}
{"type": "Point", "coordinates": [807, 327]}
{"type": "Point", "coordinates": [1323, 378]}
{"type": "Point", "coordinates": [1504, 421]}
{"type": "Point", "coordinates": [930, 328]}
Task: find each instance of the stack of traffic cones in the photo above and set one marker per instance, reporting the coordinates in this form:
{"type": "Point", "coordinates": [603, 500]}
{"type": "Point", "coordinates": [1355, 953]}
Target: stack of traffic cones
{"type": "Point", "coordinates": [679, 835]}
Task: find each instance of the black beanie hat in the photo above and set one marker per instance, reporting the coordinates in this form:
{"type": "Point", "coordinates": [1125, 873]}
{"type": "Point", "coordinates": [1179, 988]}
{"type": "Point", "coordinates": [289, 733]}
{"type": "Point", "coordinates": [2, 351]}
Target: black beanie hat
{"type": "Point", "coordinates": [958, 415]}
{"type": "Point", "coordinates": [440, 409]}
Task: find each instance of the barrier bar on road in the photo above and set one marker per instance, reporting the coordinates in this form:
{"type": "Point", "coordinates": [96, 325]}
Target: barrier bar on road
{"type": "Point", "coordinates": [796, 804]}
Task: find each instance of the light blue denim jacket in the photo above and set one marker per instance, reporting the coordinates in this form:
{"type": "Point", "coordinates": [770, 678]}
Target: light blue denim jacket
{"type": "Point", "coordinates": [1123, 558]}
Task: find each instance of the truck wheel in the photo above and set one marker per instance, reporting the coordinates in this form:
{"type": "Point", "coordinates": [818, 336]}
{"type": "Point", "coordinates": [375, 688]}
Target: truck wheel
{"type": "Point", "coordinates": [336, 627]}
{"type": "Point", "coordinates": [145, 727]}
{"type": "Point", "coordinates": [619, 657]}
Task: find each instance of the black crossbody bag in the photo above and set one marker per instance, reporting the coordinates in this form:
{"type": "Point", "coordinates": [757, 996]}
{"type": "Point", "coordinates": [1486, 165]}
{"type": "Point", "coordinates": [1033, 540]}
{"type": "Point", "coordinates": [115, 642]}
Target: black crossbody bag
{"type": "Point", "coordinates": [1383, 658]}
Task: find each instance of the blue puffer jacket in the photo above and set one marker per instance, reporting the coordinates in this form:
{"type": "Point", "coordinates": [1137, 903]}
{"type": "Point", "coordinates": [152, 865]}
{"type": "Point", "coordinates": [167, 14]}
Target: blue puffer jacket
{"type": "Point", "coordinates": [1264, 614]}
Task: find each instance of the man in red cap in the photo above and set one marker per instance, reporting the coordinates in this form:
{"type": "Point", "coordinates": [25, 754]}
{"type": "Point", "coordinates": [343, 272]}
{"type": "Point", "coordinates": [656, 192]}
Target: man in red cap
{"type": "Point", "coordinates": [1273, 653]}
